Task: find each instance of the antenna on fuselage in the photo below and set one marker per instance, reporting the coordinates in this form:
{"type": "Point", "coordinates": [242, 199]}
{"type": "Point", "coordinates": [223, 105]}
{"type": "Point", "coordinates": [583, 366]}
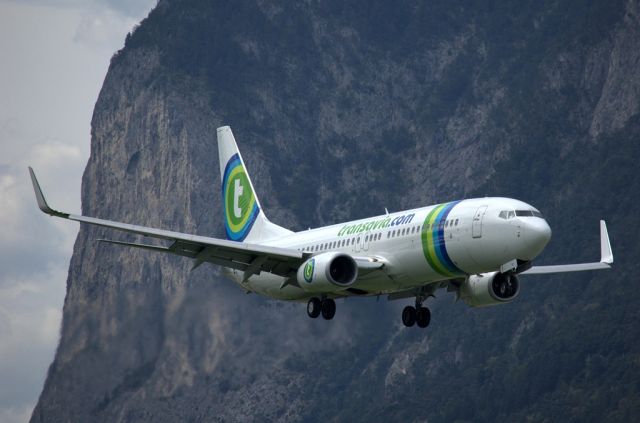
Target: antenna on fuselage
{"type": "Point", "coordinates": [386, 211]}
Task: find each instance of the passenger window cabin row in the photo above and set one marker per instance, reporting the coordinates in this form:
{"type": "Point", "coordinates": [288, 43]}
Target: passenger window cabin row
{"type": "Point", "coordinates": [377, 236]}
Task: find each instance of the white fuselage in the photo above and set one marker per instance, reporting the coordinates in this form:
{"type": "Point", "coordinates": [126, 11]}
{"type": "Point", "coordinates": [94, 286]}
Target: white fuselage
{"type": "Point", "coordinates": [420, 246]}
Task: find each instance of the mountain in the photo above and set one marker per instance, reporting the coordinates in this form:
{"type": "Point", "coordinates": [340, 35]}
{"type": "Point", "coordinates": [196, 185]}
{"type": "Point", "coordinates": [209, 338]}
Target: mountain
{"type": "Point", "coordinates": [342, 109]}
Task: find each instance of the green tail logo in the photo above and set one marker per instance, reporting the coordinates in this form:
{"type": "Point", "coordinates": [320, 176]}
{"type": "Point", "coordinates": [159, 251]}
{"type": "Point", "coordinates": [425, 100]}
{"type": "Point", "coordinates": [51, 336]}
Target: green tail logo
{"type": "Point", "coordinates": [308, 270]}
{"type": "Point", "coordinates": [240, 205]}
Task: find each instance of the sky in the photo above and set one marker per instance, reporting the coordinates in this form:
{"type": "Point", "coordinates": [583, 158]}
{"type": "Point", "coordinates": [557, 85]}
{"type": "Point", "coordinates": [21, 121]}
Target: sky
{"type": "Point", "coordinates": [54, 57]}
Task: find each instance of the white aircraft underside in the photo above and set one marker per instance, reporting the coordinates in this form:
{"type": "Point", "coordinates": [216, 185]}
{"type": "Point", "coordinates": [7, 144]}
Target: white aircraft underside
{"type": "Point", "coordinates": [476, 247]}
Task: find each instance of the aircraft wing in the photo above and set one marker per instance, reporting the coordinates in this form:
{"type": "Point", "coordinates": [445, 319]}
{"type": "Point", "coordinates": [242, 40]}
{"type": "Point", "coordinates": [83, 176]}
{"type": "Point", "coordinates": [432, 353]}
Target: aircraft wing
{"type": "Point", "coordinates": [606, 259]}
{"type": "Point", "coordinates": [246, 257]}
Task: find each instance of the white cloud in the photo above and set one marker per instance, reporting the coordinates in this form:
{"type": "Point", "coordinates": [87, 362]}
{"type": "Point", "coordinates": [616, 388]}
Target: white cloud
{"type": "Point", "coordinates": [31, 313]}
{"type": "Point", "coordinates": [12, 414]}
{"type": "Point", "coordinates": [104, 29]}
{"type": "Point", "coordinates": [136, 9]}
{"type": "Point", "coordinates": [34, 256]}
{"type": "Point", "coordinates": [55, 56]}
{"type": "Point", "coordinates": [32, 242]}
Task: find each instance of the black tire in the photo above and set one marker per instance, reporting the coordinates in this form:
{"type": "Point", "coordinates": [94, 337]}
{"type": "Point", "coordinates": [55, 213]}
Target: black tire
{"type": "Point", "coordinates": [313, 307]}
{"type": "Point", "coordinates": [328, 309]}
{"type": "Point", "coordinates": [409, 316]}
{"type": "Point", "coordinates": [423, 317]}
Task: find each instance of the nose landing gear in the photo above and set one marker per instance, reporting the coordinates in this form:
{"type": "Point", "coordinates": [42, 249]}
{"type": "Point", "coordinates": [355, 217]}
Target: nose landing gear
{"type": "Point", "coordinates": [416, 315]}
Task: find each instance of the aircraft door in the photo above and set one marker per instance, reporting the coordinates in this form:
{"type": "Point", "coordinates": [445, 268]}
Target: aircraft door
{"type": "Point", "coordinates": [364, 241]}
{"type": "Point", "coordinates": [476, 227]}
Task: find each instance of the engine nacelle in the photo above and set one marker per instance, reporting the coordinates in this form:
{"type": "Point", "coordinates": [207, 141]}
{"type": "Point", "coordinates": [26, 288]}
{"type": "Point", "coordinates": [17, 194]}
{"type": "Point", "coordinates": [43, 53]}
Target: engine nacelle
{"type": "Point", "coordinates": [490, 289]}
{"type": "Point", "coordinates": [327, 272]}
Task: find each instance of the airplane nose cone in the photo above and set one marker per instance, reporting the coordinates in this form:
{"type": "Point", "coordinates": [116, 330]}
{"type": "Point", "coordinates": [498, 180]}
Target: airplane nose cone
{"type": "Point", "coordinates": [537, 236]}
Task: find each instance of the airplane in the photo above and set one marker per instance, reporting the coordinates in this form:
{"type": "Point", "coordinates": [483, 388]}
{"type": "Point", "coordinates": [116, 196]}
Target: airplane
{"type": "Point", "coordinates": [477, 248]}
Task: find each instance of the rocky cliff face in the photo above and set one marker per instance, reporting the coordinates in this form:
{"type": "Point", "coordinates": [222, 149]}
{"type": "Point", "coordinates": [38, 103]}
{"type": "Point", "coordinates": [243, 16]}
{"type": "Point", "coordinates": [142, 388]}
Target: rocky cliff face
{"type": "Point", "coordinates": [341, 109]}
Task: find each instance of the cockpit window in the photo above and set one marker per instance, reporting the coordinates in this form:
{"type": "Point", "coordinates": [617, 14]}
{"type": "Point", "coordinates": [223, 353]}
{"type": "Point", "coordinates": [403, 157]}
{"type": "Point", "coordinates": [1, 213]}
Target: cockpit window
{"type": "Point", "coordinates": [507, 214]}
{"type": "Point", "coordinates": [534, 213]}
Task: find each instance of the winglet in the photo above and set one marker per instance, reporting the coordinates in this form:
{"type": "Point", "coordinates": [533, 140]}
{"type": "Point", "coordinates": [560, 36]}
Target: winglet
{"type": "Point", "coordinates": [606, 255]}
{"type": "Point", "coordinates": [42, 203]}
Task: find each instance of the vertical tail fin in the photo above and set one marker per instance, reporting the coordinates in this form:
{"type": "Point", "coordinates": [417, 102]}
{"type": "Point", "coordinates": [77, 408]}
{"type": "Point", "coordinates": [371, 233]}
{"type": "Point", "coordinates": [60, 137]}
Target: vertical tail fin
{"type": "Point", "coordinates": [244, 219]}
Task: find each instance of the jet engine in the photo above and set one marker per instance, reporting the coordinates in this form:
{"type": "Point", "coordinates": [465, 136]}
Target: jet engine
{"type": "Point", "coordinates": [327, 272]}
{"type": "Point", "coordinates": [489, 289]}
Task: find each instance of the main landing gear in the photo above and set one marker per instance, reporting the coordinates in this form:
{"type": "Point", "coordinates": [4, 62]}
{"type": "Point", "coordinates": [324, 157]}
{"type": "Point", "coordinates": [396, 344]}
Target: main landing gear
{"type": "Point", "coordinates": [418, 314]}
{"type": "Point", "coordinates": [326, 307]}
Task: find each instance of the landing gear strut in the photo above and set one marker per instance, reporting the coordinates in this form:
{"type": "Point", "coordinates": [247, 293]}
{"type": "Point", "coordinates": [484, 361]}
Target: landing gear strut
{"type": "Point", "coordinates": [326, 307]}
{"type": "Point", "coordinates": [418, 314]}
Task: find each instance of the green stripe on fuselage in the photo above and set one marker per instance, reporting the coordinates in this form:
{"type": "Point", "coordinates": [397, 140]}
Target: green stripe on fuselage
{"type": "Point", "coordinates": [429, 240]}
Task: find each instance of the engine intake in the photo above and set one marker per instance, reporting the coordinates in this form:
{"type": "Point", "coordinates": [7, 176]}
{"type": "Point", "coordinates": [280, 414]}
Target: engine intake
{"type": "Point", "coordinates": [490, 289]}
{"type": "Point", "coordinates": [327, 272]}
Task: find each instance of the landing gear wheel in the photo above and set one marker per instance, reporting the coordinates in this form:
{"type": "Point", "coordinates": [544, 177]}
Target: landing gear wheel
{"type": "Point", "coordinates": [409, 316]}
{"type": "Point", "coordinates": [328, 308]}
{"type": "Point", "coordinates": [423, 317]}
{"type": "Point", "coordinates": [314, 307]}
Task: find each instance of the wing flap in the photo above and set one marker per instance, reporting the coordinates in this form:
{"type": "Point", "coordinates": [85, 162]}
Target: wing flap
{"type": "Point", "coordinates": [222, 262]}
{"type": "Point", "coordinates": [221, 244]}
